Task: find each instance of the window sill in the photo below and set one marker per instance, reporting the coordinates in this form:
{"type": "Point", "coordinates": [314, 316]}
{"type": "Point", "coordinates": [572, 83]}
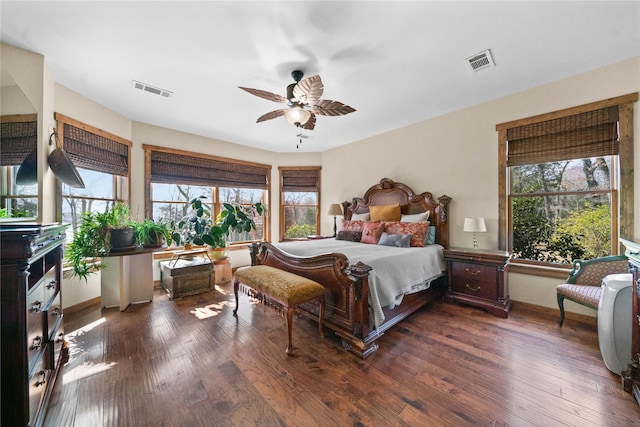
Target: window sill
{"type": "Point", "coordinates": [539, 270]}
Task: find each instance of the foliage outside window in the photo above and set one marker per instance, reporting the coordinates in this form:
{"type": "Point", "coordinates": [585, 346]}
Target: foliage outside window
{"type": "Point", "coordinates": [562, 211]}
{"type": "Point", "coordinates": [300, 200]}
{"type": "Point", "coordinates": [170, 203]}
{"type": "Point", "coordinates": [566, 184]}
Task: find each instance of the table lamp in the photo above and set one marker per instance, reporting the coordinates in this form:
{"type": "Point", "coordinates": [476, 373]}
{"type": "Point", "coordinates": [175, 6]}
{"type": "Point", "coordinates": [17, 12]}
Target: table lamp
{"type": "Point", "coordinates": [335, 209]}
{"type": "Point", "coordinates": [474, 225]}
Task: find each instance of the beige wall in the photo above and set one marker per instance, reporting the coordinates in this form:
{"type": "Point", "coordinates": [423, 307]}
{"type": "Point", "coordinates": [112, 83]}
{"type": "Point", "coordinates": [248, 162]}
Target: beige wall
{"type": "Point", "coordinates": [456, 154]}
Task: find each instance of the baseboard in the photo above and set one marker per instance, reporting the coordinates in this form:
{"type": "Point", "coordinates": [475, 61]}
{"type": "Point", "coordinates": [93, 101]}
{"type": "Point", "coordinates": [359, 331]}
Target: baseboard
{"type": "Point", "coordinates": [554, 312]}
{"type": "Point", "coordinates": [84, 304]}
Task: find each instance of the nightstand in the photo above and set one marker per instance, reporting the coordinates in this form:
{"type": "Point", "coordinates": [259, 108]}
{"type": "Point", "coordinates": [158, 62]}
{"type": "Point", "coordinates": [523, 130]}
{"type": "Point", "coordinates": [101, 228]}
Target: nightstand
{"type": "Point", "coordinates": [478, 277]}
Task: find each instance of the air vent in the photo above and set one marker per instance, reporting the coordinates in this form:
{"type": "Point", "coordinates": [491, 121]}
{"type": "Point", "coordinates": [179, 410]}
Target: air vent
{"type": "Point", "coordinates": [480, 61]}
{"type": "Point", "coordinates": [151, 89]}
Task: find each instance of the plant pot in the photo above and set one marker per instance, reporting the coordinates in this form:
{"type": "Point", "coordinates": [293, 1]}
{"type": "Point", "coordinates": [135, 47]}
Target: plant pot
{"type": "Point", "coordinates": [121, 238]}
{"type": "Point", "coordinates": [156, 240]}
{"type": "Point", "coordinates": [217, 253]}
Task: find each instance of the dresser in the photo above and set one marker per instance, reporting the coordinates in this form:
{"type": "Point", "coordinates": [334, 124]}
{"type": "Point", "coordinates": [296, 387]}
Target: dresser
{"type": "Point", "coordinates": [631, 377]}
{"type": "Point", "coordinates": [33, 346]}
{"type": "Point", "coordinates": [478, 277]}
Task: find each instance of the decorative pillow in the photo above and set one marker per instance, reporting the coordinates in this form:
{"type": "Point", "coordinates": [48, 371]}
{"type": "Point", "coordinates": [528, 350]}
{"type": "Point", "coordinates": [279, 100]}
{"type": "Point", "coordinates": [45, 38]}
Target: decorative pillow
{"type": "Point", "coordinates": [352, 225]}
{"type": "Point", "coordinates": [431, 236]}
{"type": "Point", "coordinates": [360, 217]}
{"type": "Point", "coordinates": [424, 216]}
{"type": "Point", "coordinates": [385, 212]}
{"type": "Point", "coordinates": [350, 236]}
{"type": "Point", "coordinates": [418, 230]}
{"type": "Point", "coordinates": [398, 240]}
{"type": "Point", "coordinates": [371, 232]}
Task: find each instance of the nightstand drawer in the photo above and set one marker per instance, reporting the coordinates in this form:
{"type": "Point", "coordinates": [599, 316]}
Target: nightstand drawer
{"type": "Point", "coordinates": [476, 272]}
{"type": "Point", "coordinates": [475, 288]}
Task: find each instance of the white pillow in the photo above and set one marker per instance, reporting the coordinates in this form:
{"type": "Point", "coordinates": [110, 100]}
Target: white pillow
{"type": "Point", "coordinates": [415, 217]}
{"type": "Point", "coordinates": [360, 217]}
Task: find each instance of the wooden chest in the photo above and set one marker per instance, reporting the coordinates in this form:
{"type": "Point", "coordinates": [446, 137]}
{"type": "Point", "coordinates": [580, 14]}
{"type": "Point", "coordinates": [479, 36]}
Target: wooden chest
{"type": "Point", "coordinates": [185, 277]}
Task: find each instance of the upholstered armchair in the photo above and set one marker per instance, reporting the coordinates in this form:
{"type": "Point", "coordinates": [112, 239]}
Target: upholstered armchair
{"type": "Point", "coordinates": [583, 285]}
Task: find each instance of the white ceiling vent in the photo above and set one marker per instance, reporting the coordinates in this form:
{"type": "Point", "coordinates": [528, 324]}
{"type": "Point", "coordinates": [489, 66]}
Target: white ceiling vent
{"type": "Point", "coordinates": [480, 61]}
{"type": "Point", "coordinates": [151, 89]}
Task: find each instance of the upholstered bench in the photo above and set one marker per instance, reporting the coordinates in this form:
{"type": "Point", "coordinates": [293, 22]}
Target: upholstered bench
{"type": "Point", "coordinates": [280, 289]}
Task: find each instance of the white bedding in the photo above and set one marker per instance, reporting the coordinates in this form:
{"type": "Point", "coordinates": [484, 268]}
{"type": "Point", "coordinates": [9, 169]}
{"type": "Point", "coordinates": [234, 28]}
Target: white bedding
{"type": "Point", "coordinates": [396, 271]}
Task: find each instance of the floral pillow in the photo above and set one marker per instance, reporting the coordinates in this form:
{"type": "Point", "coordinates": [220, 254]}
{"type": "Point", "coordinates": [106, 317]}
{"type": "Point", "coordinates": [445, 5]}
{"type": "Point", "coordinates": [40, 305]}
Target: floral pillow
{"type": "Point", "coordinates": [350, 236]}
{"type": "Point", "coordinates": [418, 231]}
{"type": "Point", "coordinates": [371, 232]}
{"type": "Point", "coordinates": [352, 225]}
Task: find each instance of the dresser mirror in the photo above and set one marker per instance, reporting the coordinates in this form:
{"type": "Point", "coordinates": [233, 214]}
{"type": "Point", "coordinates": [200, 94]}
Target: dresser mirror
{"type": "Point", "coordinates": [18, 152]}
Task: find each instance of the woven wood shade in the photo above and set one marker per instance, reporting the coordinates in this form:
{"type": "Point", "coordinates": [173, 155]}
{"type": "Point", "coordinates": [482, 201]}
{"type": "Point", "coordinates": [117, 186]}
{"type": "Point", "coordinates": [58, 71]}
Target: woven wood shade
{"type": "Point", "coordinates": [300, 180]}
{"type": "Point", "coordinates": [90, 151]}
{"type": "Point", "coordinates": [18, 140]}
{"type": "Point", "coordinates": [171, 168]}
{"type": "Point", "coordinates": [584, 135]}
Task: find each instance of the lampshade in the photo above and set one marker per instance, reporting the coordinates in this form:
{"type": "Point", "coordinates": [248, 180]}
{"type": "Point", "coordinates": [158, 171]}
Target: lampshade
{"type": "Point", "coordinates": [475, 225]}
{"type": "Point", "coordinates": [335, 209]}
{"type": "Point", "coordinates": [297, 115]}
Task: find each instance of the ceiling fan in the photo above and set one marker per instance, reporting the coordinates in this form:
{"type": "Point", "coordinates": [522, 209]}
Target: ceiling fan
{"type": "Point", "coordinates": [303, 99]}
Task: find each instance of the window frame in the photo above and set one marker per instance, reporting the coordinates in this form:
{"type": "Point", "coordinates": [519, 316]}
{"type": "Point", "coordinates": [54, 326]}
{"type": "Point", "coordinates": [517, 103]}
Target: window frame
{"type": "Point", "coordinates": [622, 193]}
{"type": "Point", "coordinates": [318, 169]}
{"type": "Point", "coordinates": [215, 196]}
{"type": "Point", "coordinates": [121, 183]}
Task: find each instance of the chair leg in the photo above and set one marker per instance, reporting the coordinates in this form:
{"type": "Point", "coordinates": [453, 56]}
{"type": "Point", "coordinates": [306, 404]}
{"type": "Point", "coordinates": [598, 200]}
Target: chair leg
{"type": "Point", "coordinates": [561, 306]}
{"type": "Point", "coordinates": [236, 284]}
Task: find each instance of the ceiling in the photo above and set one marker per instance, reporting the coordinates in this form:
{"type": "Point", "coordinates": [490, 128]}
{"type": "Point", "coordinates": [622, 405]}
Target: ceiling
{"type": "Point", "coordinates": [395, 62]}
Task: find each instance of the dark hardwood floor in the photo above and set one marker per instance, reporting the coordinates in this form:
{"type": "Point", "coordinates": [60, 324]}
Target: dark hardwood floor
{"type": "Point", "coordinates": [190, 362]}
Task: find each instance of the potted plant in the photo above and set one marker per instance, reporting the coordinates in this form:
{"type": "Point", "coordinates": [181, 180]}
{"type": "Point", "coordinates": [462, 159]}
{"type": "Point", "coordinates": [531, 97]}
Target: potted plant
{"type": "Point", "coordinates": [199, 228]}
{"type": "Point", "coordinates": [151, 234]}
{"type": "Point", "coordinates": [98, 234]}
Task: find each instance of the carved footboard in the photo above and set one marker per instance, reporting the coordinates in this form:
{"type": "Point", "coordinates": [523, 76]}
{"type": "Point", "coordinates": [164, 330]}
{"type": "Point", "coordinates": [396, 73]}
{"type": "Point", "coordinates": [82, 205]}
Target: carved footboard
{"type": "Point", "coordinates": [346, 293]}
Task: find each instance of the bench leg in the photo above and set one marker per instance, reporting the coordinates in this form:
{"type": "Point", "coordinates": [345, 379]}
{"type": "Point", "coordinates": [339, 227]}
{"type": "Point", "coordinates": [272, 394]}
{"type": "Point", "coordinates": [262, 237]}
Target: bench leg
{"type": "Point", "coordinates": [561, 307]}
{"type": "Point", "coordinates": [236, 284]}
{"type": "Point", "coordinates": [290, 311]}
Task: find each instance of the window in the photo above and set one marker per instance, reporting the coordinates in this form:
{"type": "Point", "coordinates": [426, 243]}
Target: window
{"type": "Point", "coordinates": [19, 145]}
{"type": "Point", "coordinates": [102, 160]}
{"type": "Point", "coordinates": [175, 177]}
{"type": "Point", "coordinates": [299, 202]}
{"type": "Point", "coordinates": [564, 177]}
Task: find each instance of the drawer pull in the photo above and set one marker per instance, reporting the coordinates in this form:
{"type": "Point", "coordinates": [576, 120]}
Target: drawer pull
{"type": "Point", "coordinates": [60, 337]}
{"type": "Point", "coordinates": [36, 306]}
{"type": "Point", "coordinates": [474, 272]}
{"type": "Point", "coordinates": [42, 373]}
{"type": "Point", "coordinates": [56, 312]}
{"type": "Point", "coordinates": [37, 343]}
{"type": "Point", "coordinates": [476, 289]}
{"type": "Point", "coordinates": [51, 285]}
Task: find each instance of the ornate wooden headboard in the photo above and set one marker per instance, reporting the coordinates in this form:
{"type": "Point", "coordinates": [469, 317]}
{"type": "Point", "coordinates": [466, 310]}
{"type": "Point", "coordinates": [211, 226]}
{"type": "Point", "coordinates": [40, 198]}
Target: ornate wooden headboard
{"type": "Point", "coordinates": [388, 192]}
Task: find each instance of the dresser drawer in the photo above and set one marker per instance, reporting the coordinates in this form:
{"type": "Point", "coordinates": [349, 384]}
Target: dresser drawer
{"type": "Point", "coordinates": [53, 316]}
{"type": "Point", "coordinates": [470, 271]}
{"type": "Point", "coordinates": [37, 386]}
{"type": "Point", "coordinates": [54, 347]}
{"type": "Point", "coordinates": [36, 337]}
{"type": "Point", "coordinates": [475, 288]}
{"type": "Point", "coordinates": [50, 285]}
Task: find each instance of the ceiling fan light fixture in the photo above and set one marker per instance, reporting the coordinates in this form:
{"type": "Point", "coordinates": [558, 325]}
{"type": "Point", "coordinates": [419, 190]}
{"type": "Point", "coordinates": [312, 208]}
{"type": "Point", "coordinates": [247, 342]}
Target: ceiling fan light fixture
{"type": "Point", "coordinates": [297, 115]}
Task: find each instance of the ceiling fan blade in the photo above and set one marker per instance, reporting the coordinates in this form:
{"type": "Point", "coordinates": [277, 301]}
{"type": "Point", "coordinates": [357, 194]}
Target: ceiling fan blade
{"type": "Point", "coordinates": [266, 95]}
{"type": "Point", "coordinates": [311, 123]}
{"type": "Point", "coordinates": [327, 107]}
{"type": "Point", "coordinates": [308, 90]}
{"type": "Point", "coordinates": [270, 115]}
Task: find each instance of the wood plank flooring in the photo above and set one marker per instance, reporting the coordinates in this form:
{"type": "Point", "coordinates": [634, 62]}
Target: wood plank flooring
{"type": "Point", "coordinates": [190, 362]}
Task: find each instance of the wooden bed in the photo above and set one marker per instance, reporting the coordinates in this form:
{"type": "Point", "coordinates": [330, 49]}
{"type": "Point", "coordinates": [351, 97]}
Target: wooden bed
{"type": "Point", "coordinates": [347, 286]}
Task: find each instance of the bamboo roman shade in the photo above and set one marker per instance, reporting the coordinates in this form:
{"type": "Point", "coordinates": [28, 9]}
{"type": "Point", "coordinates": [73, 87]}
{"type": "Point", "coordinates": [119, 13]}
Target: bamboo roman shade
{"type": "Point", "coordinates": [584, 135]}
{"type": "Point", "coordinates": [300, 180]}
{"type": "Point", "coordinates": [90, 151]}
{"type": "Point", "coordinates": [173, 168]}
{"type": "Point", "coordinates": [18, 139]}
